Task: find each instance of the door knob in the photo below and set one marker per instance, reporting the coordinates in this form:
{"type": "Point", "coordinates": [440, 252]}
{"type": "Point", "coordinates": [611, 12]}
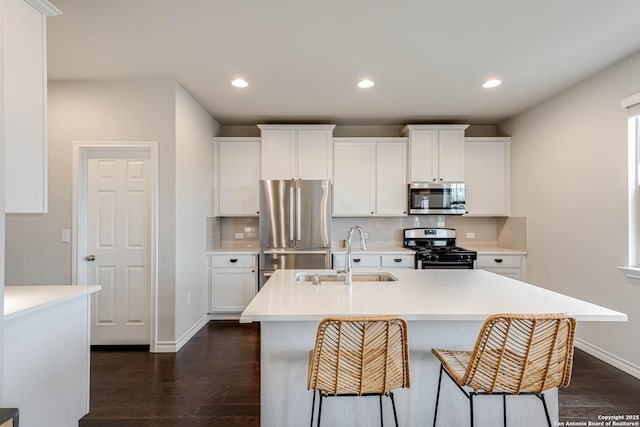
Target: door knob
{"type": "Point", "coordinates": [90, 258]}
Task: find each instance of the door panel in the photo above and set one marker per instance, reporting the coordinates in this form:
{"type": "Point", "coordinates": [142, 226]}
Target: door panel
{"type": "Point", "coordinates": [118, 235]}
{"type": "Point", "coordinates": [313, 214]}
{"type": "Point", "coordinates": [277, 209]}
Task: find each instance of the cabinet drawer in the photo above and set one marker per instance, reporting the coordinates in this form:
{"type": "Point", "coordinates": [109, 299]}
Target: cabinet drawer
{"type": "Point", "coordinates": [357, 261]}
{"type": "Point", "coordinates": [405, 261]}
{"type": "Point", "coordinates": [505, 261]}
{"type": "Point", "coordinates": [233, 261]}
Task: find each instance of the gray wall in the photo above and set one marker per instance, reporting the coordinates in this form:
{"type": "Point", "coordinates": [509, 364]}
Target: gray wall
{"type": "Point", "coordinates": [97, 111]}
{"type": "Point", "coordinates": [569, 178]}
{"type": "Point", "coordinates": [195, 129]}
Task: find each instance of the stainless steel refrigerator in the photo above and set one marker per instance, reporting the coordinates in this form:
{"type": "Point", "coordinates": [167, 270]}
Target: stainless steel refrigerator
{"type": "Point", "coordinates": [295, 225]}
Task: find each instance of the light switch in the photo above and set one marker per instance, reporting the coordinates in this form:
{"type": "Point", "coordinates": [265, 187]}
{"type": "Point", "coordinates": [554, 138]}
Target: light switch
{"type": "Point", "coordinates": [65, 235]}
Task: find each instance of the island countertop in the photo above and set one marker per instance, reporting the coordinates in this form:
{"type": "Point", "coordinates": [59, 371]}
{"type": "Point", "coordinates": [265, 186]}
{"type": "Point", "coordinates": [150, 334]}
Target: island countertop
{"type": "Point", "coordinates": [22, 300]}
{"type": "Point", "coordinates": [460, 295]}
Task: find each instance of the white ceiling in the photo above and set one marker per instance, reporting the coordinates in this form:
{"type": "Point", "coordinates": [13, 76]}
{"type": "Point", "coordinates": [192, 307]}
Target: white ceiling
{"type": "Point", "coordinates": [302, 58]}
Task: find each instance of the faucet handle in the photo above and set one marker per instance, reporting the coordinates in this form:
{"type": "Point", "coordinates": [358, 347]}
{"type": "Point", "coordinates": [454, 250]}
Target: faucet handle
{"type": "Point", "coordinates": [316, 279]}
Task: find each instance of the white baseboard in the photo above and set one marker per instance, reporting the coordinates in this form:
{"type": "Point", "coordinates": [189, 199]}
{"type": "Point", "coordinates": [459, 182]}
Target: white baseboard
{"type": "Point", "coordinates": [175, 346]}
{"type": "Point", "coordinates": [224, 316]}
{"type": "Point", "coordinates": [609, 358]}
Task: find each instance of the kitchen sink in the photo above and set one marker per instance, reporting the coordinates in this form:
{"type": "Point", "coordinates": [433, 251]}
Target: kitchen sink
{"type": "Point", "coordinates": [340, 277]}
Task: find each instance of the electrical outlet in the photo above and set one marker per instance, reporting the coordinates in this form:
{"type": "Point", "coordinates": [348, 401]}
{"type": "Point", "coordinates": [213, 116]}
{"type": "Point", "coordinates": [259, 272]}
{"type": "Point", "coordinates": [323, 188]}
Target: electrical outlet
{"type": "Point", "coordinates": [471, 235]}
{"type": "Point", "coordinates": [239, 235]}
{"type": "Point", "coordinates": [188, 298]}
{"type": "Point", "coordinates": [65, 235]}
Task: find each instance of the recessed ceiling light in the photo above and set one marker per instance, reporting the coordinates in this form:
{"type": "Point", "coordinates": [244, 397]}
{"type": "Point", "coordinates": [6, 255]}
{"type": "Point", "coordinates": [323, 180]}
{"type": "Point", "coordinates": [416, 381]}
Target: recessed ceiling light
{"type": "Point", "coordinates": [240, 83]}
{"type": "Point", "coordinates": [365, 83]}
{"type": "Point", "coordinates": [491, 83]}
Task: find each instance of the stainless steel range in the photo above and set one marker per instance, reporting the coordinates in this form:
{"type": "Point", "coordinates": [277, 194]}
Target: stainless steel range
{"type": "Point", "coordinates": [436, 248]}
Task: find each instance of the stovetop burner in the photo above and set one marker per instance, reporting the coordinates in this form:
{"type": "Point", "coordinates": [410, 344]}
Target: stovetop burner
{"type": "Point", "coordinates": [436, 248]}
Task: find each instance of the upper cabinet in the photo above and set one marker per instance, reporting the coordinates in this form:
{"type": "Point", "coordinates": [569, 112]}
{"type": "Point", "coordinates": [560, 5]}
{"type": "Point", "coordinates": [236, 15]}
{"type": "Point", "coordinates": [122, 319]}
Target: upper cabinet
{"type": "Point", "coordinates": [296, 151]}
{"type": "Point", "coordinates": [436, 152]}
{"type": "Point", "coordinates": [370, 177]}
{"type": "Point", "coordinates": [487, 175]}
{"type": "Point", "coordinates": [237, 176]}
{"type": "Point", "coordinates": [23, 82]}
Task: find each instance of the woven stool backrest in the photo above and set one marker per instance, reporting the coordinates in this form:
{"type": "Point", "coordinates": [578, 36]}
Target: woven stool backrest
{"type": "Point", "coordinates": [522, 353]}
{"type": "Point", "coordinates": [360, 355]}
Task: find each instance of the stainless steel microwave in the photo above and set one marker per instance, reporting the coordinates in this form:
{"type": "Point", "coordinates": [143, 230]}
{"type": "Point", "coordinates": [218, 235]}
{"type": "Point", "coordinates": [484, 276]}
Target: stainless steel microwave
{"type": "Point", "coordinates": [436, 199]}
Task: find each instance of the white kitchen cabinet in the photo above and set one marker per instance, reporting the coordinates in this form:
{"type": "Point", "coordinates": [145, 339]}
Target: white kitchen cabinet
{"type": "Point", "coordinates": [370, 177]}
{"type": "Point", "coordinates": [509, 265]}
{"type": "Point", "coordinates": [436, 152]}
{"type": "Point", "coordinates": [23, 85]}
{"type": "Point", "coordinates": [233, 282]}
{"type": "Point", "coordinates": [487, 176]}
{"type": "Point", "coordinates": [374, 261]}
{"type": "Point", "coordinates": [237, 176]}
{"type": "Point", "coordinates": [296, 151]}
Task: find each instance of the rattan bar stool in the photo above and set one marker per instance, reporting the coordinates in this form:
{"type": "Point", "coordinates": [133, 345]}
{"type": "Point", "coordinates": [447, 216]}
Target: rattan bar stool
{"type": "Point", "coordinates": [359, 356]}
{"type": "Point", "coordinates": [515, 354]}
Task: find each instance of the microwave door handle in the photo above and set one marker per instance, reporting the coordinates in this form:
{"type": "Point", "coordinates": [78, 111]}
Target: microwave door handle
{"type": "Point", "coordinates": [291, 214]}
{"type": "Point", "coordinates": [298, 215]}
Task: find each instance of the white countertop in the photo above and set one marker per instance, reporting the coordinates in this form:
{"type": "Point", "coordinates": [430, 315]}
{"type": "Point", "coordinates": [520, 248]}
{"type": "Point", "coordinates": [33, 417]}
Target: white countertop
{"type": "Point", "coordinates": [22, 300]}
{"type": "Point", "coordinates": [235, 249]}
{"type": "Point", "coordinates": [492, 250]}
{"type": "Point", "coordinates": [417, 295]}
{"type": "Point", "coordinates": [373, 249]}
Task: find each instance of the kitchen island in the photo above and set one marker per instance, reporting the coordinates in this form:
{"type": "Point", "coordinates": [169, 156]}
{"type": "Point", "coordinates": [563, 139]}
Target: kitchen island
{"type": "Point", "coordinates": [46, 363]}
{"type": "Point", "coordinates": [444, 309]}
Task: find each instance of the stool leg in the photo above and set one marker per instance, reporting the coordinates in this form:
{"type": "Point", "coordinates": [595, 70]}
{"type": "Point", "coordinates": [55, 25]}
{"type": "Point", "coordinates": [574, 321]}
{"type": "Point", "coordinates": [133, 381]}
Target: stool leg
{"type": "Point", "coordinates": [393, 404]}
{"type": "Point", "coordinates": [544, 404]}
{"type": "Point", "coordinates": [471, 409]}
{"type": "Point", "coordinates": [313, 407]}
{"type": "Point", "coordinates": [435, 413]}
{"type": "Point", "coordinates": [319, 407]}
{"type": "Point", "coordinates": [504, 409]}
{"type": "Point", "coordinates": [381, 417]}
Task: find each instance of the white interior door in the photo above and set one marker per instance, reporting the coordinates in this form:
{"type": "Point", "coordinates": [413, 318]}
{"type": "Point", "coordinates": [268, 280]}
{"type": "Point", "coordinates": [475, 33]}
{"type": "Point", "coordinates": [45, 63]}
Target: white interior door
{"type": "Point", "coordinates": [117, 249]}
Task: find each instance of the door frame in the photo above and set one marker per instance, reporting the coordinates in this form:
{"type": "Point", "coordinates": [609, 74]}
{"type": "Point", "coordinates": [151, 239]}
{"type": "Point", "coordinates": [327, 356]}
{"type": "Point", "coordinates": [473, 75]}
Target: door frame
{"type": "Point", "coordinates": [80, 156]}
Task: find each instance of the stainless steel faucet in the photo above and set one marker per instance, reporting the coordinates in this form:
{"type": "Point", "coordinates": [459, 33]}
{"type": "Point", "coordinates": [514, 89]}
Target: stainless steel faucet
{"type": "Point", "coordinates": [347, 262]}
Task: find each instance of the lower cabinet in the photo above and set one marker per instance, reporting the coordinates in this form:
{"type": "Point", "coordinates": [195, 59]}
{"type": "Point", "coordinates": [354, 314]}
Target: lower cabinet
{"type": "Point", "coordinates": [512, 266]}
{"type": "Point", "coordinates": [233, 282]}
{"type": "Point", "coordinates": [374, 261]}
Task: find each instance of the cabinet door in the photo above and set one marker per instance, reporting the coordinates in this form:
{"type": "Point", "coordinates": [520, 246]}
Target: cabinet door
{"type": "Point", "coordinates": [424, 155]}
{"type": "Point", "coordinates": [354, 179]}
{"type": "Point", "coordinates": [24, 101]}
{"type": "Point", "coordinates": [391, 181]}
{"type": "Point", "coordinates": [232, 289]}
{"type": "Point", "coordinates": [314, 154]}
{"type": "Point", "coordinates": [278, 154]}
{"type": "Point", "coordinates": [486, 172]}
{"type": "Point", "coordinates": [451, 155]}
{"type": "Point", "coordinates": [238, 177]}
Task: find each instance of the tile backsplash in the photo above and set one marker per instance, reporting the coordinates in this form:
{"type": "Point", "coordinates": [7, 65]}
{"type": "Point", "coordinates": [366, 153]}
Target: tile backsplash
{"type": "Point", "coordinates": [510, 232]}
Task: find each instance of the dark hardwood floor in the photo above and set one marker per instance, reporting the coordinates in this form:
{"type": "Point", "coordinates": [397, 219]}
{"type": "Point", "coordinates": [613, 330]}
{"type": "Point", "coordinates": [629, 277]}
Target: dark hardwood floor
{"type": "Point", "coordinates": [215, 381]}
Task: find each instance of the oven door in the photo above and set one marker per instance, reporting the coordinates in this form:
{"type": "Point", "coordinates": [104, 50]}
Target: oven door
{"type": "Point", "coordinates": [449, 265]}
{"type": "Point", "coordinates": [444, 199]}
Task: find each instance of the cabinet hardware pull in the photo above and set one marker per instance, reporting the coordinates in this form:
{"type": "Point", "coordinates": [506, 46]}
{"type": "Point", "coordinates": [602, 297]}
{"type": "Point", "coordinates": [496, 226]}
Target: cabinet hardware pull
{"type": "Point", "coordinates": [397, 259]}
{"type": "Point", "coordinates": [233, 259]}
{"type": "Point", "coordinates": [356, 260]}
{"type": "Point", "coordinates": [498, 260]}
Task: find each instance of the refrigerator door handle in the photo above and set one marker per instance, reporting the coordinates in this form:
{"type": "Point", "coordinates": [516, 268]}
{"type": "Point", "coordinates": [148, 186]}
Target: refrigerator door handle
{"type": "Point", "coordinates": [291, 214]}
{"type": "Point", "coordinates": [298, 216]}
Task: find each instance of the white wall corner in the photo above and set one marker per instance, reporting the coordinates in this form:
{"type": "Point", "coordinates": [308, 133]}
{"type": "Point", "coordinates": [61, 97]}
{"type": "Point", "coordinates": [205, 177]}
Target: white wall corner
{"type": "Point", "coordinates": [175, 346]}
{"type": "Point", "coordinates": [610, 358]}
